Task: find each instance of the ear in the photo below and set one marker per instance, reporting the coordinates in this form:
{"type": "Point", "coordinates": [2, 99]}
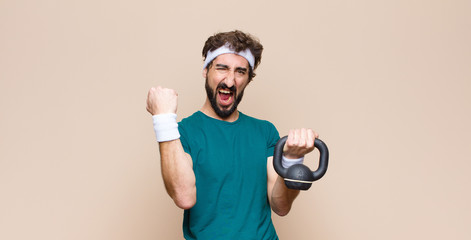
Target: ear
{"type": "Point", "coordinates": [205, 72]}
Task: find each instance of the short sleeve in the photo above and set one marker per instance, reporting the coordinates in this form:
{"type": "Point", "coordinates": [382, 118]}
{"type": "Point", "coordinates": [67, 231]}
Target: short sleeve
{"type": "Point", "coordinates": [184, 138]}
{"type": "Point", "coordinates": [272, 138]}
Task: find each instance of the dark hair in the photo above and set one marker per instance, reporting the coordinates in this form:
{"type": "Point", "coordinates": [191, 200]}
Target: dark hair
{"type": "Point", "coordinates": [238, 41]}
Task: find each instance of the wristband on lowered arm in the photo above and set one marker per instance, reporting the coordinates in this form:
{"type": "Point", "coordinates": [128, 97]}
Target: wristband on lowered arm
{"type": "Point", "coordinates": [286, 162]}
{"type": "Point", "coordinates": [166, 127]}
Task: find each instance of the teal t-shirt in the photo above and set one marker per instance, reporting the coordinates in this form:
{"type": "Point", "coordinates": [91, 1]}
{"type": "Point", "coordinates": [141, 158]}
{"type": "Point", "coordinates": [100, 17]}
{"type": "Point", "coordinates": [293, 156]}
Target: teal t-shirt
{"type": "Point", "coordinates": [230, 165]}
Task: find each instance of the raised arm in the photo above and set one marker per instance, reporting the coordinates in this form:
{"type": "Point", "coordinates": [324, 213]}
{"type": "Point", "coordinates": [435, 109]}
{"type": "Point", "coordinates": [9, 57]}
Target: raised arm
{"type": "Point", "coordinates": [176, 165]}
{"type": "Point", "coordinates": [299, 143]}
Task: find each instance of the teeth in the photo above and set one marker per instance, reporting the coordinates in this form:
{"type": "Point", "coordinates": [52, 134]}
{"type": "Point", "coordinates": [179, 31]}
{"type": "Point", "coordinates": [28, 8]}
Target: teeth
{"type": "Point", "coordinates": [225, 91]}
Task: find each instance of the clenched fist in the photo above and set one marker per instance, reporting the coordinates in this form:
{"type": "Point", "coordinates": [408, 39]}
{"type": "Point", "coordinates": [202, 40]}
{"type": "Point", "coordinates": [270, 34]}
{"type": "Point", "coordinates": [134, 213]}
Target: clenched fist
{"type": "Point", "coordinates": [162, 100]}
{"type": "Point", "coordinates": [299, 143]}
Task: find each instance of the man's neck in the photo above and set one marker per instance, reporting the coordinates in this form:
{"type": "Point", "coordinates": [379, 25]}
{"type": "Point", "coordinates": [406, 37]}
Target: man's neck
{"type": "Point", "coordinates": [208, 110]}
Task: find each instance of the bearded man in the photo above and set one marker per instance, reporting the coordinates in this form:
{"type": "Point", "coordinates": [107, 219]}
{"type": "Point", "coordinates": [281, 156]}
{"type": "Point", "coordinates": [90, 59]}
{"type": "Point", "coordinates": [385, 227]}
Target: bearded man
{"type": "Point", "coordinates": [217, 163]}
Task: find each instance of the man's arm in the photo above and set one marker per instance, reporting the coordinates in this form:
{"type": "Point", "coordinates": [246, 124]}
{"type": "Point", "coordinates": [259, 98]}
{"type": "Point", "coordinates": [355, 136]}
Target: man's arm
{"type": "Point", "coordinates": [176, 165]}
{"type": "Point", "coordinates": [281, 198]}
{"type": "Point", "coordinates": [178, 175]}
{"type": "Point", "coordinates": [299, 143]}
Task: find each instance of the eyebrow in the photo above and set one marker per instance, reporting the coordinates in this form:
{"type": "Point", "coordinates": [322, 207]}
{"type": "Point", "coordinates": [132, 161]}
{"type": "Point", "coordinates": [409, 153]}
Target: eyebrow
{"type": "Point", "coordinates": [222, 65]}
{"type": "Point", "coordinates": [241, 68]}
{"type": "Point", "coordinates": [226, 67]}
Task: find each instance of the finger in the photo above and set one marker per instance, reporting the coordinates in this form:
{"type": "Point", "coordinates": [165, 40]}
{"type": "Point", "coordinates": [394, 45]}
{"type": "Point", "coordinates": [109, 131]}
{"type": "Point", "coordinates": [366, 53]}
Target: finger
{"type": "Point", "coordinates": [290, 139]}
{"type": "Point", "coordinates": [310, 138]}
{"type": "Point", "coordinates": [296, 136]}
{"type": "Point", "coordinates": [302, 137]}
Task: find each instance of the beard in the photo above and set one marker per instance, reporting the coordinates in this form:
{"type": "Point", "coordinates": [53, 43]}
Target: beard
{"type": "Point", "coordinates": [212, 96]}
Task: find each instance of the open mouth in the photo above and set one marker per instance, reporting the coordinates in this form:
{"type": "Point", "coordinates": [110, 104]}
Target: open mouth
{"type": "Point", "coordinates": [226, 97]}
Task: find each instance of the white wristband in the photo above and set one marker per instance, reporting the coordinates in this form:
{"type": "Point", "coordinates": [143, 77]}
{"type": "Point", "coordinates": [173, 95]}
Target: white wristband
{"type": "Point", "coordinates": [286, 162]}
{"type": "Point", "coordinates": [166, 127]}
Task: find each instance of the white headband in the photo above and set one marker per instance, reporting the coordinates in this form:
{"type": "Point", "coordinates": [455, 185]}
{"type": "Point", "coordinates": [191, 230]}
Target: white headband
{"type": "Point", "coordinates": [226, 49]}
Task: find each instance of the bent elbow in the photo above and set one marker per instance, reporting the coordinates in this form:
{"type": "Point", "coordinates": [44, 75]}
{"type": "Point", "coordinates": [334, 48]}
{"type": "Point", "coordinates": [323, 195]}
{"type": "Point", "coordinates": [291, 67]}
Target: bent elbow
{"type": "Point", "coordinates": [282, 212]}
{"type": "Point", "coordinates": [186, 201]}
{"type": "Point", "coordinates": [185, 204]}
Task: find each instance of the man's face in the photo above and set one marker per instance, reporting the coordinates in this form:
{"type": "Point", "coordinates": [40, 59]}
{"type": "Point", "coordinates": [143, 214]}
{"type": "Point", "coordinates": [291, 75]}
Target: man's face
{"type": "Point", "coordinates": [226, 80]}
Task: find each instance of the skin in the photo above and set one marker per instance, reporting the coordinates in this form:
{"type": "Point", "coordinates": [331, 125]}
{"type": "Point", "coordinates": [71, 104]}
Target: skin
{"type": "Point", "coordinates": [232, 70]}
{"type": "Point", "coordinates": [177, 171]}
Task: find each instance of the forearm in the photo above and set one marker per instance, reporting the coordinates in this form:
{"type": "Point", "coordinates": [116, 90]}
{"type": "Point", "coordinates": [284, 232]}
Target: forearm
{"type": "Point", "coordinates": [282, 197]}
{"type": "Point", "coordinates": [177, 173]}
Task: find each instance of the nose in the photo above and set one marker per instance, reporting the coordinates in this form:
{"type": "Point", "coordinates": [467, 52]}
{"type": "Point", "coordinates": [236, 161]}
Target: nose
{"type": "Point", "coordinates": [229, 80]}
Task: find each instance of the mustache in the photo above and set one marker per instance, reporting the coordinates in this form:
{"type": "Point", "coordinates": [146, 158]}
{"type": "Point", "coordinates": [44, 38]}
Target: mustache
{"type": "Point", "coordinates": [224, 86]}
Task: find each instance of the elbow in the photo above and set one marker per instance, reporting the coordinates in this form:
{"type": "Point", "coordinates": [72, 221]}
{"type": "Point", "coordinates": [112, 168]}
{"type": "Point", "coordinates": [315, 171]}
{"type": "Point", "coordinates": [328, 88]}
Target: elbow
{"type": "Point", "coordinates": [185, 201]}
{"type": "Point", "coordinates": [280, 209]}
{"type": "Point", "coordinates": [282, 212]}
{"type": "Point", "coordinates": [185, 204]}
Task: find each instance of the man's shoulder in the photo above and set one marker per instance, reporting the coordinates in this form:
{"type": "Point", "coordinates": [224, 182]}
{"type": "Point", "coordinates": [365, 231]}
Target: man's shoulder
{"type": "Point", "coordinates": [258, 122]}
{"type": "Point", "coordinates": [198, 119]}
{"type": "Point", "coordinates": [255, 119]}
{"type": "Point", "coordinates": [193, 117]}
